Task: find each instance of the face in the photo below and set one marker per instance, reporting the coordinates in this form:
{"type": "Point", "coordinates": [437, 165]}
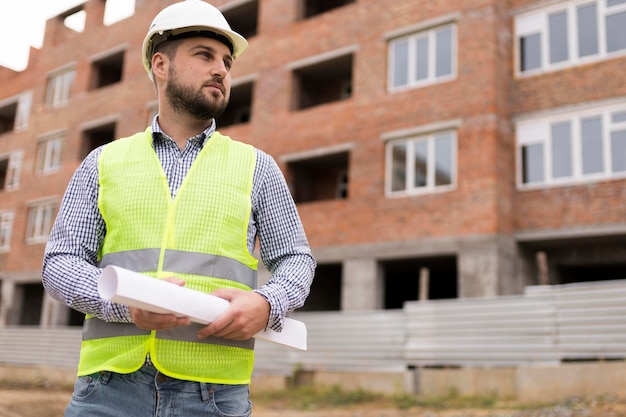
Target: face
{"type": "Point", "coordinates": [199, 80]}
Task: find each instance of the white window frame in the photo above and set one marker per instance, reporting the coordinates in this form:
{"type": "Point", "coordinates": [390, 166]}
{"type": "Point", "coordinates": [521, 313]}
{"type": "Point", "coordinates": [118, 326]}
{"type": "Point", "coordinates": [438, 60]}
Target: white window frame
{"type": "Point", "coordinates": [41, 216]}
{"type": "Point", "coordinates": [6, 227]}
{"type": "Point", "coordinates": [537, 130]}
{"type": "Point", "coordinates": [14, 169]}
{"type": "Point", "coordinates": [59, 87]}
{"type": "Point", "coordinates": [536, 22]}
{"type": "Point", "coordinates": [49, 151]}
{"type": "Point", "coordinates": [409, 137]}
{"type": "Point", "coordinates": [412, 39]}
{"type": "Point", "coordinates": [24, 105]}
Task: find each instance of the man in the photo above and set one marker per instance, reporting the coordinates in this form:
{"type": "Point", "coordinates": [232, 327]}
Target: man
{"type": "Point", "coordinates": [184, 203]}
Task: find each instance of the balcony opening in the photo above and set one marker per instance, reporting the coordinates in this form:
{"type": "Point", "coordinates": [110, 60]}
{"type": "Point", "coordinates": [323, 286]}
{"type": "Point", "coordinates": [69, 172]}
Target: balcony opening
{"type": "Point", "coordinates": [30, 308]}
{"type": "Point", "coordinates": [244, 18]}
{"type": "Point", "coordinates": [402, 279]}
{"type": "Point", "coordinates": [323, 82]}
{"type": "Point", "coordinates": [319, 178]}
{"type": "Point", "coordinates": [107, 71]}
{"type": "Point", "coordinates": [95, 137]}
{"type": "Point", "coordinates": [325, 292]}
{"type": "Point", "coordinates": [74, 18]}
{"type": "Point", "coordinates": [239, 109]}
{"type": "Point", "coordinates": [312, 8]}
{"type": "Point", "coordinates": [8, 115]}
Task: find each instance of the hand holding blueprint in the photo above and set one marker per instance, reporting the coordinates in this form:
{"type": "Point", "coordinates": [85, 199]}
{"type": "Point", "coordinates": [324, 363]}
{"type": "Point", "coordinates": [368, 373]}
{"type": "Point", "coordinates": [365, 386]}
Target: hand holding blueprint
{"type": "Point", "coordinates": [123, 286]}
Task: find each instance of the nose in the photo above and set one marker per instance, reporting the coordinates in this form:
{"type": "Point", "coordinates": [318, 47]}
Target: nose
{"type": "Point", "coordinates": [220, 69]}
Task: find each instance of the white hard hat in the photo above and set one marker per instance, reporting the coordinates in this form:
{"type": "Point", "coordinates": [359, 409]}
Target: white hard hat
{"type": "Point", "coordinates": [182, 19]}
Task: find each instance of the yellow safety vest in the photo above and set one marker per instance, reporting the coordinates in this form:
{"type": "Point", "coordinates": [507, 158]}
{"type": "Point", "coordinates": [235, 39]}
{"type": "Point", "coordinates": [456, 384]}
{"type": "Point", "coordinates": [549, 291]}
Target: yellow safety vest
{"type": "Point", "coordinates": [199, 236]}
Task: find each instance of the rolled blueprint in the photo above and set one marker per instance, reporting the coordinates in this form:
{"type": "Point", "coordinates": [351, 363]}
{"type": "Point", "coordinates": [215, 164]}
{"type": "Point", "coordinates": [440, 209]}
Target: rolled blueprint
{"type": "Point", "coordinates": [123, 286]}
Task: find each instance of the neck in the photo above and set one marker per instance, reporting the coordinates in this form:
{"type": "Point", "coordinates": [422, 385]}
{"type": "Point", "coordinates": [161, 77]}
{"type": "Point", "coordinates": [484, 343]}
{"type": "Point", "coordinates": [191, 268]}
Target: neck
{"type": "Point", "coordinates": [181, 127]}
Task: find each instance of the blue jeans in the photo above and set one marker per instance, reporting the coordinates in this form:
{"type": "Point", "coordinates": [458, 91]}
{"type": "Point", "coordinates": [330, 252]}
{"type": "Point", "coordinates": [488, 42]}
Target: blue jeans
{"type": "Point", "coordinates": [148, 393]}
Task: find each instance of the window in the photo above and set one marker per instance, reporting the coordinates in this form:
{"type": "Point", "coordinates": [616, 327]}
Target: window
{"type": "Point", "coordinates": [422, 58]}
{"type": "Point", "coordinates": [421, 164]}
{"type": "Point", "coordinates": [10, 168]}
{"type": "Point", "coordinates": [321, 176]}
{"type": "Point", "coordinates": [569, 34]}
{"type": "Point", "coordinates": [49, 153]}
{"type": "Point", "coordinates": [96, 136]}
{"type": "Point", "coordinates": [107, 70]}
{"type": "Point", "coordinates": [6, 226]}
{"type": "Point", "coordinates": [572, 147]}
{"type": "Point", "coordinates": [312, 8]}
{"type": "Point", "coordinates": [40, 219]}
{"type": "Point", "coordinates": [243, 17]}
{"type": "Point", "coordinates": [59, 87]}
{"type": "Point", "coordinates": [15, 112]}
{"type": "Point", "coordinates": [239, 109]}
{"type": "Point", "coordinates": [323, 79]}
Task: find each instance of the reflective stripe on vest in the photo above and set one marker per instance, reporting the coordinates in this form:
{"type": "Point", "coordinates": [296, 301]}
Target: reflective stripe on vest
{"type": "Point", "coordinates": [174, 261]}
{"type": "Point", "coordinates": [94, 328]}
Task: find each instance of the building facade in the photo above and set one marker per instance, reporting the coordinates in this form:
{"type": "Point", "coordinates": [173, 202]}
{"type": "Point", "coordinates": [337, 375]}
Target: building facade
{"type": "Point", "coordinates": [436, 149]}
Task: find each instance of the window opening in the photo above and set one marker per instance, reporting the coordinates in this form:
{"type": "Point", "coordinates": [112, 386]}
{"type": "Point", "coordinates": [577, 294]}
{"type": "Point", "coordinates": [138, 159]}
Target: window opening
{"type": "Point", "coordinates": [325, 292]}
{"type": "Point", "coordinates": [312, 8]}
{"type": "Point", "coordinates": [402, 279]}
{"type": "Point", "coordinates": [320, 178]}
{"type": "Point", "coordinates": [323, 82]}
{"type": "Point", "coordinates": [95, 137]}
{"type": "Point", "coordinates": [107, 71]}
{"type": "Point", "coordinates": [239, 109]}
{"type": "Point", "coordinates": [244, 18]}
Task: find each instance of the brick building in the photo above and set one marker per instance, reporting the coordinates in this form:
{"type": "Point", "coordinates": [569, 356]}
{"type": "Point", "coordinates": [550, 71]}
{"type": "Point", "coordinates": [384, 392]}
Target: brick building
{"type": "Point", "coordinates": [473, 146]}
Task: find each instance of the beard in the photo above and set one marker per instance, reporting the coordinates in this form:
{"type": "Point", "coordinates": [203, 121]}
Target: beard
{"type": "Point", "coordinates": [192, 102]}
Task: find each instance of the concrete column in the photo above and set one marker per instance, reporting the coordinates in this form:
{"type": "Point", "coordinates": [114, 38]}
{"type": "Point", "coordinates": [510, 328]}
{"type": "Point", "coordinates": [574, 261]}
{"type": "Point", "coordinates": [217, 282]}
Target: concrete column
{"type": "Point", "coordinates": [53, 313]}
{"type": "Point", "coordinates": [362, 285]}
{"type": "Point", "coordinates": [7, 292]}
{"type": "Point", "coordinates": [487, 267]}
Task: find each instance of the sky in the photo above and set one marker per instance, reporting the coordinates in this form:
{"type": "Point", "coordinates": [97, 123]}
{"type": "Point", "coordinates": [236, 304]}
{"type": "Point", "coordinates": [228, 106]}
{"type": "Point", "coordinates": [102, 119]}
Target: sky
{"type": "Point", "coordinates": [22, 24]}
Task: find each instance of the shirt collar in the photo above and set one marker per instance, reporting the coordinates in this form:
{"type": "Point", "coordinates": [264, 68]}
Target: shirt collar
{"type": "Point", "coordinates": [203, 136]}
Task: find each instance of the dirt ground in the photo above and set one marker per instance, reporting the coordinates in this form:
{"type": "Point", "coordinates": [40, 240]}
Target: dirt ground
{"type": "Point", "coordinates": [37, 402]}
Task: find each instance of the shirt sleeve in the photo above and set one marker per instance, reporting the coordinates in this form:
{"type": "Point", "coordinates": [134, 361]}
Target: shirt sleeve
{"type": "Point", "coordinates": [283, 245]}
{"type": "Point", "coordinates": [70, 273]}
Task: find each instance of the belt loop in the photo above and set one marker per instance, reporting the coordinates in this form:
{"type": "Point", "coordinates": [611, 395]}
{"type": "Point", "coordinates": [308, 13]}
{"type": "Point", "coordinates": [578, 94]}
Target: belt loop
{"type": "Point", "coordinates": [205, 392]}
{"type": "Point", "coordinates": [105, 376]}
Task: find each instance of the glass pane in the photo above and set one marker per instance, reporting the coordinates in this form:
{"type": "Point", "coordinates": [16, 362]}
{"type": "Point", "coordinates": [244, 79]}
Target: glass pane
{"type": "Point", "coordinates": [557, 27]}
{"type": "Point", "coordinates": [398, 167]}
{"type": "Point", "coordinates": [443, 50]}
{"type": "Point", "coordinates": [618, 151]}
{"type": "Point", "coordinates": [587, 30]}
{"type": "Point", "coordinates": [619, 117]}
{"type": "Point", "coordinates": [532, 163]}
{"type": "Point", "coordinates": [400, 63]}
{"type": "Point", "coordinates": [591, 142]}
{"type": "Point", "coordinates": [611, 3]}
{"type": "Point", "coordinates": [616, 32]}
{"type": "Point", "coordinates": [530, 52]}
{"type": "Point", "coordinates": [443, 159]}
{"type": "Point", "coordinates": [561, 150]}
{"type": "Point", "coordinates": [422, 59]}
{"type": "Point", "coordinates": [420, 163]}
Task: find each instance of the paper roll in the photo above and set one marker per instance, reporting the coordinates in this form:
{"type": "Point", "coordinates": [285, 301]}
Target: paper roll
{"type": "Point", "coordinates": [123, 286]}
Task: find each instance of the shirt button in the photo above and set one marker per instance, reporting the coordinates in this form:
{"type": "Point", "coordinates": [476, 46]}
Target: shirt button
{"type": "Point", "coordinates": [179, 160]}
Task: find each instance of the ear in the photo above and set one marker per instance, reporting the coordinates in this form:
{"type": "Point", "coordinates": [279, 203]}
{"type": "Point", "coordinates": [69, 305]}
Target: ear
{"type": "Point", "coordinates": [160, 63]}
